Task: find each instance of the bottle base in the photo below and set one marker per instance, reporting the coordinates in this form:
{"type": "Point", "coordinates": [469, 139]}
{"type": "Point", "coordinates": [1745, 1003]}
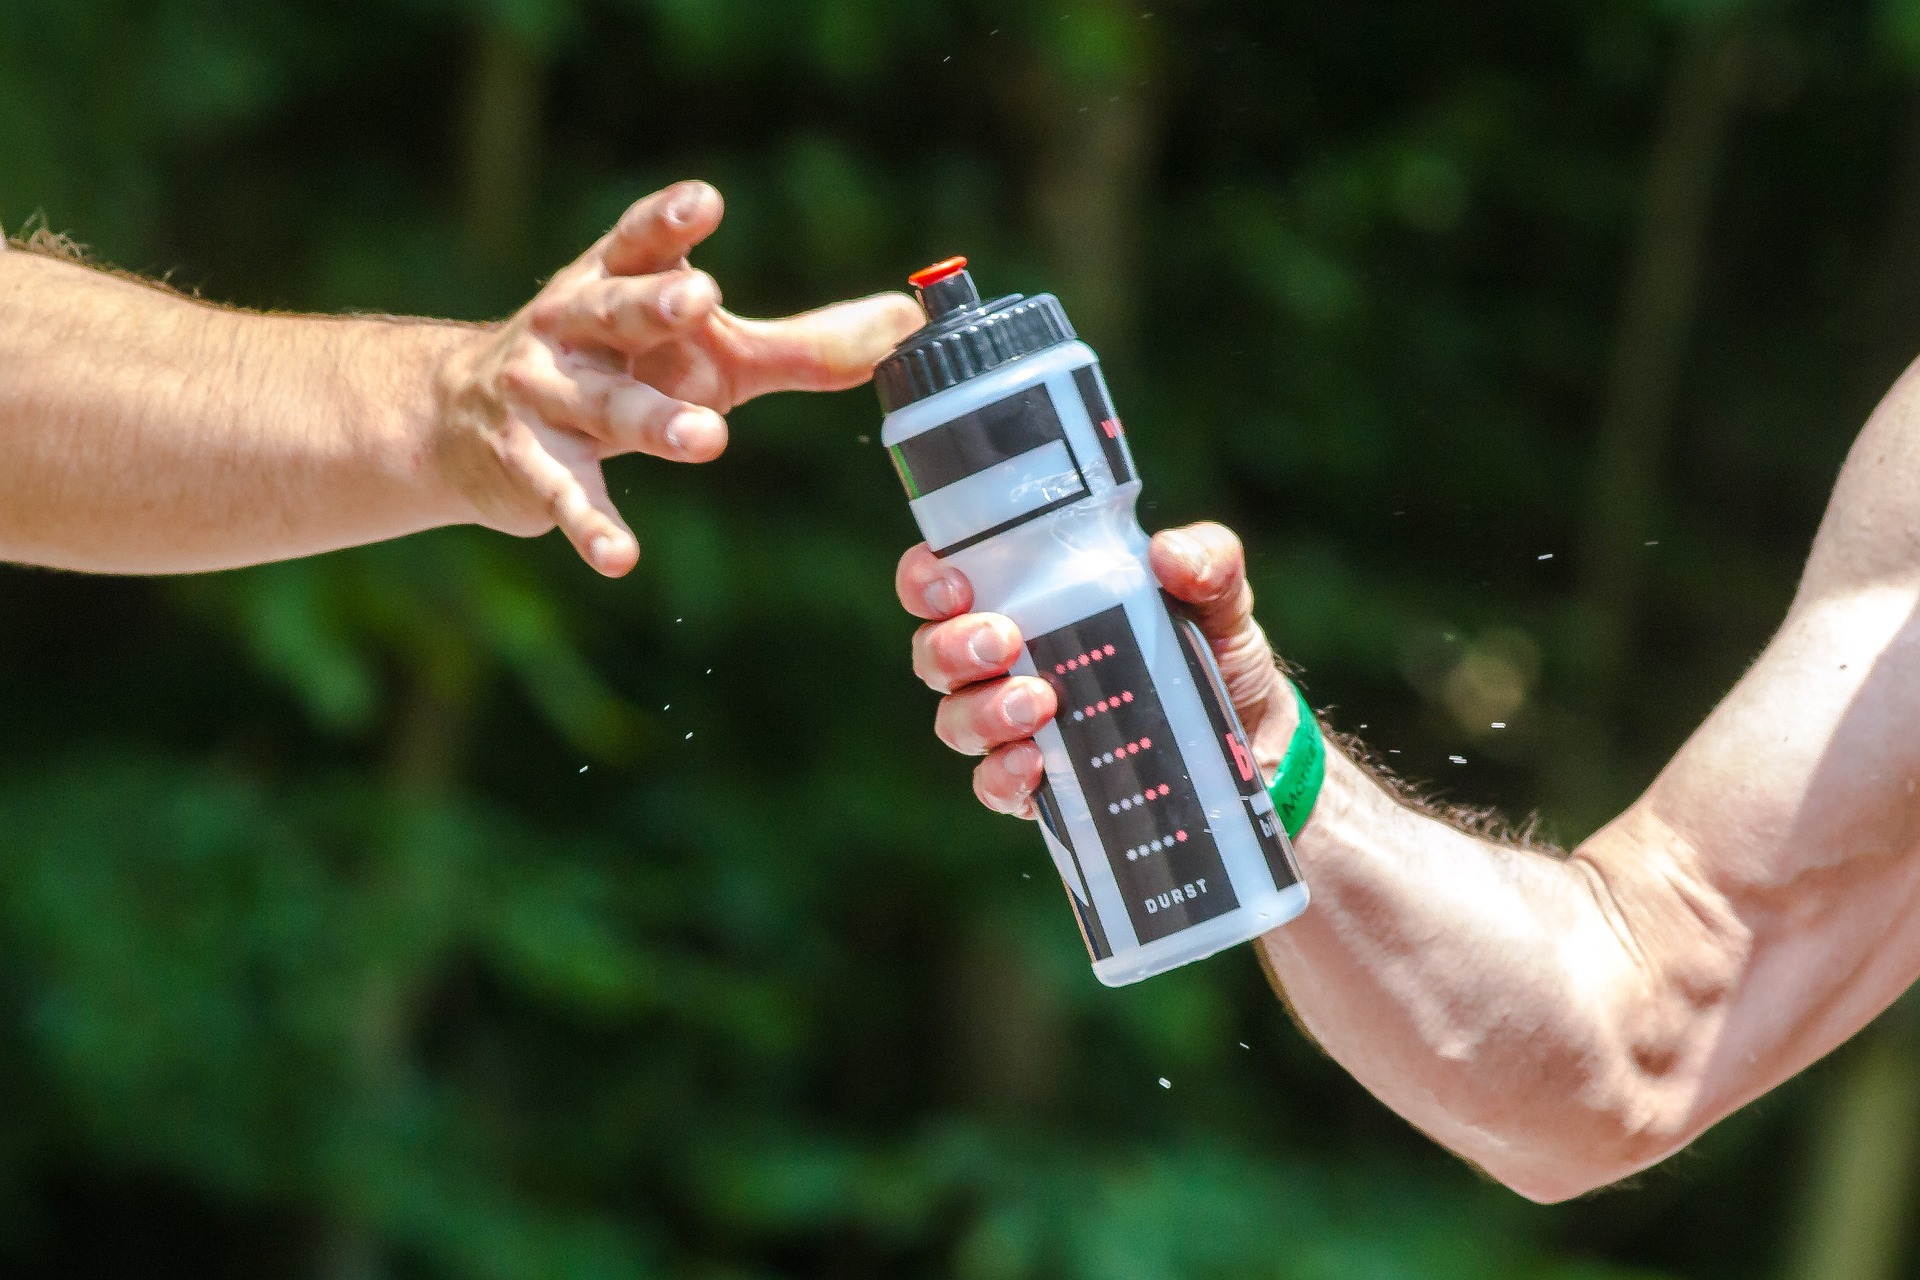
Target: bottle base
{"type": "Point", "coordinates": [1242, 924]}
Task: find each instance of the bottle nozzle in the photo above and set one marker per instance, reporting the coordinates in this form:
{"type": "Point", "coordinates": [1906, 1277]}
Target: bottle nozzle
{"type": "Point", "coordinates": [944, 287]}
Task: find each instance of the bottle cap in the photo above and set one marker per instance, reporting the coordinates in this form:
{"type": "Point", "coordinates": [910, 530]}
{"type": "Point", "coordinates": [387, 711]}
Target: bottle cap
{"type": "Point", "coordinates": [964, 337]}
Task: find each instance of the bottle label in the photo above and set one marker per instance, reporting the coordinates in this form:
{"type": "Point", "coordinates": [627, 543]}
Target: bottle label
{"type": "Point", "coordinates": [1106, 423]}
{"type": "Point", "coordinates": [1149, 817]}
{"type": "Point", "coordinates": [1233, 742]}
{"type": "Point", "coordinates": [989, 470]}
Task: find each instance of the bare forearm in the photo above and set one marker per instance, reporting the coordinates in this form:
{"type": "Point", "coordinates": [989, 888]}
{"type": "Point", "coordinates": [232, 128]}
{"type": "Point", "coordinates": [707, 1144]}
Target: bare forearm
{"type": "Point", "coordinates": [1489, 994]}
{"type": "Point", "coordinates": [145, 433]}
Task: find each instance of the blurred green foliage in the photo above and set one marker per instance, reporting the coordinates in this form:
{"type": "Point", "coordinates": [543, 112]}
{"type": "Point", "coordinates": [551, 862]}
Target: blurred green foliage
{"type": "Point", "coordinates": [439, 909]}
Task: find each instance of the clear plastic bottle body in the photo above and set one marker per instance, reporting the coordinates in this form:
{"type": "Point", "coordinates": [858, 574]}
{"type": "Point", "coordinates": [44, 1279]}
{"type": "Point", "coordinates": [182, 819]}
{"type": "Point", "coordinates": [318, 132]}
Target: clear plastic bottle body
{"type": "Point", "coordinates": [1152, 809]}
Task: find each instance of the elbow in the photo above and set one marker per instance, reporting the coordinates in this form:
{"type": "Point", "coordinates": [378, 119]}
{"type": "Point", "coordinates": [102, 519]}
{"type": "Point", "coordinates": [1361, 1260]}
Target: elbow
{"type": "Point", "coordinates": [1561, 1180]}
{"type": "Point", "coordinates": [1572, 1174]}
{"type": "Point", "coordinates": [1581, 1105]}
{"type": "Point", "coordinates": [1590, 1142]}
{"type": "Point", "coordinates": [1630, 1086]}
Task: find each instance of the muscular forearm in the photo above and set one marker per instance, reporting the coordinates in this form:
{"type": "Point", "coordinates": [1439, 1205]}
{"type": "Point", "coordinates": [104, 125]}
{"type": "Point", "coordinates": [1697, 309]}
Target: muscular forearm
{"type": "Point", "coordinates": [1565, 1023]}
{"type": "Point", "coordinates": [1497, 997]}
{"type": "Point", "coordinates": [143, 432]}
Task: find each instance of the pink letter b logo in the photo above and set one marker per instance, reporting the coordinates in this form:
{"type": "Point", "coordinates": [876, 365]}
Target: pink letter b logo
{"type": "Point", "coordinates": [1241, 757]}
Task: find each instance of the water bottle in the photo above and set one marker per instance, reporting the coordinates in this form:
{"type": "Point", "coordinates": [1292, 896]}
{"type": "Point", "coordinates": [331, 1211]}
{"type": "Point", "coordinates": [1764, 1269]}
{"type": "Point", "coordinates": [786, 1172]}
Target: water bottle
{"type": "Point", "coordinates": [1017, 471]}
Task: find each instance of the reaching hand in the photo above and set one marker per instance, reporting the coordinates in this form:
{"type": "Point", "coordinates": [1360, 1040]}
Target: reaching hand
{"type": "Point", "coordinates": [629, 351]}
{"type": "Point", "coordinates": [987, 712]}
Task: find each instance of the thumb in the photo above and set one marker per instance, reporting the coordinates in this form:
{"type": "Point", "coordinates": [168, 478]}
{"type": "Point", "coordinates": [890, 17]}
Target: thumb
{"type": "Point", "coordinates": [1204, 566]}
{"type": "Point", "coordinates": [826, 350]}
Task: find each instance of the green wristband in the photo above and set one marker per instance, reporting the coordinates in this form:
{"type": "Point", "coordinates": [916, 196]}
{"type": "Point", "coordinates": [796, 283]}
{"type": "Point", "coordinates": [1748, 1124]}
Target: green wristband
{"type": "Point", "coordinates": [1302, 769]}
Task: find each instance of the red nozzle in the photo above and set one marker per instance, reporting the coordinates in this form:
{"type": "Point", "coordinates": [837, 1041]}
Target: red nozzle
{"type": "Point", "coordinates": [939, 271]}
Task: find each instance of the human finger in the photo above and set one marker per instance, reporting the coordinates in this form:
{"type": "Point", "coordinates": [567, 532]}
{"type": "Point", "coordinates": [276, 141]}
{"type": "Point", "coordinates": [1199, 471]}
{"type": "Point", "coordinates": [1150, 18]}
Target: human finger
{"type": "Point", "coordinates": [977, 720]}
{"type": "Point", "coordinates": [575, 498]}
{"type": "Point", "coordinates": [929, 587]}
{"type": "Point", "coordinates": [628, 314]}
{"type": "Point", "coordinates": [826, 350]}
{"type": "Point", "coordinates": [657, 231]}
{"type": "Point", "coordinates": [1204, 566]}
{"type": "Point", "coordinates": [1006, 780]}
{"type": "Point", "coordinates": [621, 413]}
{"type": "Point", "coordinates": [977, 646]}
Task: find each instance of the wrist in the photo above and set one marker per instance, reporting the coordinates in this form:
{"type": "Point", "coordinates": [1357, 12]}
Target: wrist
{"type": "Point", "coordinates": [457, 441]}
{"type": "Point", "coordinates": [1340, 785]}
{"type": "Point", "coordinates": [1295, 786]}
{"type": "Point", "coordinates": [1273, 729]}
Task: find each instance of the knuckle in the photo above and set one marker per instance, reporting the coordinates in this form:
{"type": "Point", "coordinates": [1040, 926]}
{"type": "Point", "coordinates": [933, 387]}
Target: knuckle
{"type": "Point", "coordinates": [963, 730]}
{"type": "Point", "coordinates": [923, 664]}
{"type": "Point", "coordinates": [1003, 782]}
{"type": "Point", "coordinates": [604, 309]}
{"type": "Point", "coordinates": [1243, 600]}
{"type": "Point", "coordinates": [703, 288]}
{"type": "Point", "coordinates": [906, 582]}
{"type": "Point", "coordinates": [638, 218]}
{"type": "Point", "coordinates": [983, 787]}
{"type": "Point", "coordinates": [914, 572]}
{"type": "Point", "coordinates": [603, 404]}
{"type": "Point", "coordinates": [944, 729]}
{"type": "Point", "coordinates": [516, 375]}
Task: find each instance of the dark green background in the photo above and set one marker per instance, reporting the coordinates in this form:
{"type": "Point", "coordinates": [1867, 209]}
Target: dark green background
{"type": "Point", "coordinates": [378, 916]}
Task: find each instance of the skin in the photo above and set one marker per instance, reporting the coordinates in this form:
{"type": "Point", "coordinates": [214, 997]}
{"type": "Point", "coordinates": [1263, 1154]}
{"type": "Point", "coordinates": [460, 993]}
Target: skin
{"type": "Point", "coordinates": [146, 432]}
{"type": "Point", "coordinates": [1564, 1020]}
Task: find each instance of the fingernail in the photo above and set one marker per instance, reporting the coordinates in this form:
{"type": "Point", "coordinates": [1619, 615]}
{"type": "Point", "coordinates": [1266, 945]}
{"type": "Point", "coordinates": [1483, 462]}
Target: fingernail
{"type": "Point", "coordinates": [988, 647]}
{"type": "Point", "coordinates": [1188, 551]}
{"type": "Point", "coordinates": [1021, 708]}
{"type": "Point", "coordinates": [679, 432]}
{"type": "Point", "coordinates": [683, 207]}
{"type": "Point", "coordinates": [943, 598]}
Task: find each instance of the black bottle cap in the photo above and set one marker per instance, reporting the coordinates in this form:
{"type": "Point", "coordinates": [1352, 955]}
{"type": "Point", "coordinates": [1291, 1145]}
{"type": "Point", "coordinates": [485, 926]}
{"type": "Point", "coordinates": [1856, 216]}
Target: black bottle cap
{"type": "Point", "coordinates": [964, 337]}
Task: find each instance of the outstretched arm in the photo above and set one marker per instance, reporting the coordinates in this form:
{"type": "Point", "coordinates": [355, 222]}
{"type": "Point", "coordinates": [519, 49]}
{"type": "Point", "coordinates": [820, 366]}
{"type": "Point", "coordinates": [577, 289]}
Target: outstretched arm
{"type": "Point", "coordinates": [1565, 1020]}
{"type": "Point", "coordinates": [145, 432]}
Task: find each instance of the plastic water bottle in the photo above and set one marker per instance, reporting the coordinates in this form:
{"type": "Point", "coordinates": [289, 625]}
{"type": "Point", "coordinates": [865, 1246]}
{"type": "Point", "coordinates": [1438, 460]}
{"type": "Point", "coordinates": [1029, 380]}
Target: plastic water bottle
{"type": "Point", "coordinates": [1017, 471]}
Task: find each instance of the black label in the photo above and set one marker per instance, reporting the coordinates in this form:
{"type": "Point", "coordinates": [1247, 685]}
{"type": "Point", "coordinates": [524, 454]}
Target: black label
{"type": "Point", "coordinates": [1106, 423]}
{"type": "Point", "coordinates": [1150, 821]}
{"type": "Point", "coordinates": [1095, 933]}
{"type": "Point", "coordinates": [975, 441]}
{"type": "Point", "coordinates": [1233, 743]}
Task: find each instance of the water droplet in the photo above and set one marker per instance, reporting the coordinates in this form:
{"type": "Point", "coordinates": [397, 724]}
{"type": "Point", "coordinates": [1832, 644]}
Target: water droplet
{"type": "Point", "coordinates": [1242, 1044]}
{"type": "Point", "coordinates": [1026, 875]}
{"type": "Point", "coordinates": [1458, 759]}
{"type": "Point", "coordinates": [1499, 724]}
{"type": "Point", "coordinates": [688, 738]}
{"type": "Point", "coordinates": [583, 768]}
{"type": "Point", "coordinates": [1165, 1083]}
{"type": "Point", "coordinates": [1547, 556]}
